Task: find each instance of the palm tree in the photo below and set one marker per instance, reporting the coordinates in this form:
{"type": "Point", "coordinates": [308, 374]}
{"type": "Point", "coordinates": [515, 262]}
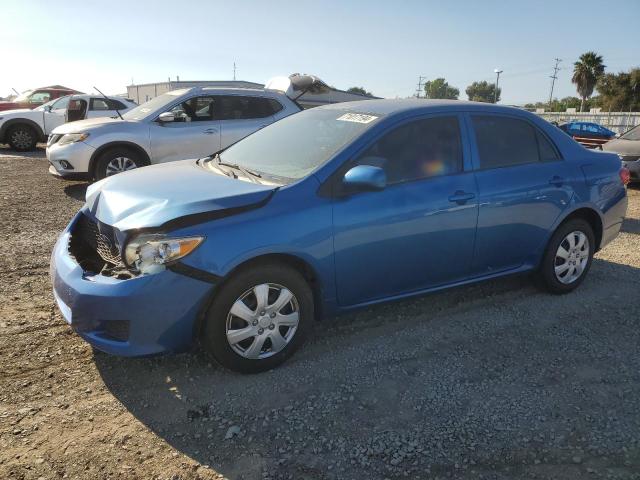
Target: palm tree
{"type": "Point", "coordinates": [585, 74]}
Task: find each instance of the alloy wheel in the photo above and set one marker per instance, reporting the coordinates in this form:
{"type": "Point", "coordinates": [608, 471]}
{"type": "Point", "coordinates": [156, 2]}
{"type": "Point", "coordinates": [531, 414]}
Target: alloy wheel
{"type": "Point", "coordinates": [262, 321]}
{"type": "Point", "coordinates": [21, 139]}
{"type": "Point", "coordinates": [571, 257]}
{"type": "Point", "coordinates": [119, 165]}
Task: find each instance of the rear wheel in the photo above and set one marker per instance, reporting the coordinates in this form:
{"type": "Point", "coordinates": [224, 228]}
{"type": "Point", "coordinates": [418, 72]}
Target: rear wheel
{"type": "Point", "coordinates": [116, 160]}
{"type": "Point", "coordinates": [22, 138]}
{"type": "Point", "coordinates": [259, 318]}
{"type": "Point", "coordinates": [568, 257]}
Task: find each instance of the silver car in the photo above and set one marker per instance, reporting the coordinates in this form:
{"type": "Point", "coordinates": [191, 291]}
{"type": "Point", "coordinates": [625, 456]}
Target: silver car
{"type": "Point", "coordinates": [181, 124]}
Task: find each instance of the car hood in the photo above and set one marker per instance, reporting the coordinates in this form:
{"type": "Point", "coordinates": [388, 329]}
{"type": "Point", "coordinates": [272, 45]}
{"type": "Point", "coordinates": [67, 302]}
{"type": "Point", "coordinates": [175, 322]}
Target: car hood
{"type": "Point", "coordinates": [153, 196]}
{"type": "Point", "coordinates": [16, 112]}
{"type": "Point", "coordinates": [88, 124]}
{"type": "Point", "coordinates": [620, 145]}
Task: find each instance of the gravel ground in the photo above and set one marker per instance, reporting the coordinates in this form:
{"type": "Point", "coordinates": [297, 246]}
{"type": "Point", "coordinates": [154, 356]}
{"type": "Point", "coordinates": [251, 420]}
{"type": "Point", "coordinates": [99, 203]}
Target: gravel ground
{"type": "Point", "coordinates": [496, 380]}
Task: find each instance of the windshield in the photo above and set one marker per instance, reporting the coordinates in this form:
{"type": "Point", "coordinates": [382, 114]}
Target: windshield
{"type": "Point", "coordinates": [296, 145]}
{"type": "Point", "coordinates": [147, 108]}
{"type": "Point", "coordinates": [633, 134]}
{"type": "Point", "coordinates": [23, 97]}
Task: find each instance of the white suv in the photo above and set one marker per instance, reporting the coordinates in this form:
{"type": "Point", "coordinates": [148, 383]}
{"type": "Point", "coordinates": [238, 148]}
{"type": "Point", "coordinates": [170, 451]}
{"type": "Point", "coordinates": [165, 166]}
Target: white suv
{"type": "Point", "coordinates": [182, 124]}
{"type": "Point", "coordinates": [23, 128]}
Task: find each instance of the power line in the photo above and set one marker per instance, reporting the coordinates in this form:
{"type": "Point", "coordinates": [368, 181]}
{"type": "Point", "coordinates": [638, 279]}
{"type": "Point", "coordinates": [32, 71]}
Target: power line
{"type": "Point", "coordinates": [554, 77]}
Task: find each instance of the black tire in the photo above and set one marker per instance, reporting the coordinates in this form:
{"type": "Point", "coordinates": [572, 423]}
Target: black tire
{"type": "Point", "coordinates": [105, 158]}
{"type": "Point", "coordinates": [546, 276]}
{"type": "Point", "coordinates": [22, 138]}
{"type": "Point", "coordinates": [215, 328]}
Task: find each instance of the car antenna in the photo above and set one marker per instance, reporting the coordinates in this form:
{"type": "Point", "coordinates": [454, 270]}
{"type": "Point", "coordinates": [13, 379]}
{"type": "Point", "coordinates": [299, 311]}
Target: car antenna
{"type": "Point", "coordinates": [17, 92]}
{"type": "Point", "coordinates": [117, 111]}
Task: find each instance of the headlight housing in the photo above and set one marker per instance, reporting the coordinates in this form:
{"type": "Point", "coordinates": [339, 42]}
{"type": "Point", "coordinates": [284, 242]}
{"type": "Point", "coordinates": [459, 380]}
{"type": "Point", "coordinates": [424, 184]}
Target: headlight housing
{"type": "Point", "coordinates": [72, 138]}
{"type": "Point", "coordinates": [150, 253]}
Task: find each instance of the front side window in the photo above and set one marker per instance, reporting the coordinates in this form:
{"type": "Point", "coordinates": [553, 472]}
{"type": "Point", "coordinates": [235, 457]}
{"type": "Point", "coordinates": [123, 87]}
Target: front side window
{"type": "Point", "coordinates": [420, 149]}
{"type": "Point", "coordinates": [40, 97]}
{"type": "Point", "coordinates": [505, 141]}
{"type": "Point", "coordinates": [60, 104]}
{"type": "Point", "coordinates": [196, 109]}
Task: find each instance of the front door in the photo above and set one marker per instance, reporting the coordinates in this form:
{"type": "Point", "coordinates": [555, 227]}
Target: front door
{"type": "Point", "coordinates": [418, 232]}
{"type": "Point", "coordinates": [57, 115]}
{"type": "Point", "coordinates": [193, 134]}
{"type": "Point", "coordinates": [523, 185]}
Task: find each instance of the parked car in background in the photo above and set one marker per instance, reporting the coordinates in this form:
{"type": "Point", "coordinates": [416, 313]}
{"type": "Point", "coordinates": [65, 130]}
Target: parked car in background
{"type": "Point", "coordinates": [591, 135]}
{"type": "Point", "coordinates": [34, 98]}
{"type": "Point", "coordinates": [188, 123]}
{"type": "Point", "coordinates": [628, 149]}
{"type": "Point", "coordinates": [23, 129]}
{"type": "Point", "coordinates": [331, 209]}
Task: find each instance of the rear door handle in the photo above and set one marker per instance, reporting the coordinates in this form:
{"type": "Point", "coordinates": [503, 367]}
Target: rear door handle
{"type": "Point", "coordinates": [210, 131]}
{"type": "Point", "coordinates": [461, 197]}
{"type": "Point", "coordinates": [556, 180]}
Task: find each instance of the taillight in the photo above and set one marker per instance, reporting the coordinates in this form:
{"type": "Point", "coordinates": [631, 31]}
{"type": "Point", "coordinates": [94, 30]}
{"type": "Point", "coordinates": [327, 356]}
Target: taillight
{"type": "Point", "coordinates": [625, 175]}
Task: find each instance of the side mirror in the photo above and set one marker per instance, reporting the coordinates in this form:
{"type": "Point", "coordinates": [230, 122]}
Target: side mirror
{"type": "Point", "coordinates": [365, 178]}
{"type": "Point", "coordinates": [48, 108]}
{"type": "Point", "coordinates": [166, 117]}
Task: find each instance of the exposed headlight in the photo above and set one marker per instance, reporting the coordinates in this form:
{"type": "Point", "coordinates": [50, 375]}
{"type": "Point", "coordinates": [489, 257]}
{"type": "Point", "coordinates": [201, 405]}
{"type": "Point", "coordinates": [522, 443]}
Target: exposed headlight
{"type": "Point", "coordinates": [149, 253]}
{"type": "Point", "coordinates": [72, 138]}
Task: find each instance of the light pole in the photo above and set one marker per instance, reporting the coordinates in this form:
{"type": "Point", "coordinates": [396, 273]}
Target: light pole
{"type": "Point", "coordinates": [495, 92]}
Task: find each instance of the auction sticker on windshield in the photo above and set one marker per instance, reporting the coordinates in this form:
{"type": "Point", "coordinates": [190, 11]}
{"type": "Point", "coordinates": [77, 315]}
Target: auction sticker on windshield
{"type": "Point", "coordinates": [357, 118]}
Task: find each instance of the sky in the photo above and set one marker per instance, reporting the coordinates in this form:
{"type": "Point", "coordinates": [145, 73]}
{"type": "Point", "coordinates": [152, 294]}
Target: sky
{"type": "Point", "coordinates": [381, 46]}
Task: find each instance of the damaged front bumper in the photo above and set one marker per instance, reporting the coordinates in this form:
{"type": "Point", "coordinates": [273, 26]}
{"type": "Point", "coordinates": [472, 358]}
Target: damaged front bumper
{"type": "Point", "coordinates": [142, 315]}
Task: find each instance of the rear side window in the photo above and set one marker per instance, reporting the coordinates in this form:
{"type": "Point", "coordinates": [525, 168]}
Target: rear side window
{"type": "Point", "coordinates": [105, 104]}
{"type": "Point", "coordinates": [420, 149]}
{"type": "Point", "coordinates": [505, 142]}
{"type": "Point", "coordinates": [237, 107]}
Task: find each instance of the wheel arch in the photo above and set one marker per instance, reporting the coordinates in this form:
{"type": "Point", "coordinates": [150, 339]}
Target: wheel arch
{"type": "Point", "coordinates": [108, 146]}
{"type": "Point", "coordinates": [592, 217]}
{"type": "Point", "coordinates": [294, 261]}
{"type": "Point", "coordinates": [19, 121]}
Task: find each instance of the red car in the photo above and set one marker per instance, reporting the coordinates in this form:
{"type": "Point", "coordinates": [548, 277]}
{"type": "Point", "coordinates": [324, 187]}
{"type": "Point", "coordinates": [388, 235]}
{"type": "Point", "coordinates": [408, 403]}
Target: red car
{"type": "Point", "coordinates": [34, 98]}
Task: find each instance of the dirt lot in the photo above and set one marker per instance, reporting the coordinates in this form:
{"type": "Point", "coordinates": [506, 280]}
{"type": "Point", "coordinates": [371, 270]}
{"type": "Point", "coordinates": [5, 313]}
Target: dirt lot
{"type": "Point", "coordinates": [496, 380]}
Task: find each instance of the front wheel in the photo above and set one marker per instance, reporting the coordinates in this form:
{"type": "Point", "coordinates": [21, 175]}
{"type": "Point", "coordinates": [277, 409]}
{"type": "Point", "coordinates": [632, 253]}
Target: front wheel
{"type": "Point", "coordinates": [259, 318]}
{"type": "Point", "coordinates": [116, 160]}
{"type": "Point", "coordinates": [568, 257]}
{"type": "Point", "coordinates": [22, 138]}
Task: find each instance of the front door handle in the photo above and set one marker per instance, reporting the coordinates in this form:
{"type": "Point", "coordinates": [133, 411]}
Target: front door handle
{"type": "Point", "coordinates": [556, 180]}
{"type": "Point", "coordinates": [210, 131]}
{"type": "Point", "coordinates": [461, 197]}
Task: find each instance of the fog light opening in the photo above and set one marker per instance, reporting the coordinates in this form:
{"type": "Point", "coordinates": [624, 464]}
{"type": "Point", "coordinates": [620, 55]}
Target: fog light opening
{"type": "Point", "coordinates": [66, 165]}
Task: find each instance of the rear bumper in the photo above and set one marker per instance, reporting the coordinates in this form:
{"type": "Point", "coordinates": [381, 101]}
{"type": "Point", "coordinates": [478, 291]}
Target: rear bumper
{"type": "Point", "coordinates": [140, 316]}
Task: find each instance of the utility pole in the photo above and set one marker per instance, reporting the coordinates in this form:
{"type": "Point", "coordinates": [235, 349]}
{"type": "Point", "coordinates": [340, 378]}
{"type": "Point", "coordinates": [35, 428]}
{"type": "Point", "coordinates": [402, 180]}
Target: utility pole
{"type": "Point", "coordinates": [497, 71]}
{"type": "Point", "coordinates": [420, 87]}
{"type": "Point", "coordinates": [234, 71]}
{"type": "Point", "coordinates": [554, 77]}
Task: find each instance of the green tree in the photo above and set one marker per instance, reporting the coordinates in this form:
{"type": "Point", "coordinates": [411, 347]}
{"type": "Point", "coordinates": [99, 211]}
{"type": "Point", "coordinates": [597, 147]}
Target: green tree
{"type": "Point", "coordinates": [620, 91]}
{"type": "Point", "coordinates": [359, 90]}
{"type": "Point", "coordinates": [483, 92]}
{"type": "Point", "coordinates": [585, 75]}
{"type": "Point", "coordinates": [440, 88]}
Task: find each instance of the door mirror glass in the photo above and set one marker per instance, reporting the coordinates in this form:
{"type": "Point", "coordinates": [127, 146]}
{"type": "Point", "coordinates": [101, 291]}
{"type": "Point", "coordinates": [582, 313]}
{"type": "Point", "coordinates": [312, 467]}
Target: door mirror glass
{"type": "Point", "coordinates": [166, 117]}
{"type": "Point", "coordinates": [365, 178]}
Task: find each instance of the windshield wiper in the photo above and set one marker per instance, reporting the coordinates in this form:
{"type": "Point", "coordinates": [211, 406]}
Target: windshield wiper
{"type": "Point", "coordinates": [245, 171]}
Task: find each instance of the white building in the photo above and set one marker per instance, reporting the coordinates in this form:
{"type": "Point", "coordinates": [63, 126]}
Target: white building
{"type": "Point", "coordinates": [145, 92]}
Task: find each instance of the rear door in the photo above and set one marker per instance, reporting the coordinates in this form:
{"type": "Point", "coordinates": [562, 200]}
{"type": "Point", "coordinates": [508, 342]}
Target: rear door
{"type": "Point", "coordinates": [241, 115]}
{"type": "Point", "coordinates": [194, 133]}
{"type": "Point", "coordinates": [523, 185]}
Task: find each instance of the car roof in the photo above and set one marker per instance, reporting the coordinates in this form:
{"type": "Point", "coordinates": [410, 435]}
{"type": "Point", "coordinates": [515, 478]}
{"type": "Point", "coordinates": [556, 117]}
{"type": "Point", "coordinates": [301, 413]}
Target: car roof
{"type": "Point", "coordinates": [398, 106]}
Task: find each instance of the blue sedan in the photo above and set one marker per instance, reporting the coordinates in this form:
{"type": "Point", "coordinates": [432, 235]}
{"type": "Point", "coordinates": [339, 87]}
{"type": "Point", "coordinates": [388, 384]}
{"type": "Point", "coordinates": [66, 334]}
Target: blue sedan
{"type": "Point", "coordinates": [331, 209]}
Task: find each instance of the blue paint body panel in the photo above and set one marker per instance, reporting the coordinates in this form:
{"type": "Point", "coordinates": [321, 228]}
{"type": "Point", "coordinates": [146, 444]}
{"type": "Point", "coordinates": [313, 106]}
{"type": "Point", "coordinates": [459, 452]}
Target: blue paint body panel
{"type": "Point", "coordinates": [365, 248]}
